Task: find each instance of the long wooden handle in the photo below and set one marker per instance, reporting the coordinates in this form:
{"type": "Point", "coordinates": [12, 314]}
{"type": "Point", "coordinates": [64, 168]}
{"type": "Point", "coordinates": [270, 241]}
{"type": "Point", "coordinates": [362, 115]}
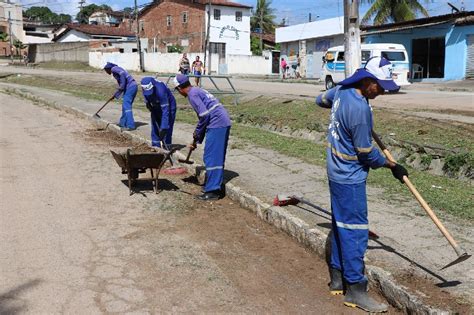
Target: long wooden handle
{"type": "Point", "coordinates": [191, 151]}
{"type": "Point", "coordinates": [420, 199]}
{"type": "Point", "coordinates": [110, 100]}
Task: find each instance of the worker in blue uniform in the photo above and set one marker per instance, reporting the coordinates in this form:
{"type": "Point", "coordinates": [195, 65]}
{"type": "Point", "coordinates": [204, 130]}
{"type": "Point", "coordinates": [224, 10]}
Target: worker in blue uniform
{"type": "Point", "coordinates": [350, 155]}
{"type": "Point", "coordinates": [162, 106]}
{"type": "Point", "coordinates": [128, 87]}
{"type": "Point", "coordinates": [214, 125]}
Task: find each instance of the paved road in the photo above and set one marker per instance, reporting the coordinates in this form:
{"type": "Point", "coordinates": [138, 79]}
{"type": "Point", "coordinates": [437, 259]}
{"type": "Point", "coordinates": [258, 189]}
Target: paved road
{"type": "Point", "coordinates": [416, 97]}
{"type": "Point", "coordinates": [73, 241]}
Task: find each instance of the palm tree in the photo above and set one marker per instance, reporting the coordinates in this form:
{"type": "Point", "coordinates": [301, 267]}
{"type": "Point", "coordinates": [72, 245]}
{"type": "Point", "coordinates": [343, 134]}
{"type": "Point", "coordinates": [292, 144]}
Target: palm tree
{"type": "Point", "coordinates": [386, 11]}
{"type": "Point", "coordinates": [264, 12]}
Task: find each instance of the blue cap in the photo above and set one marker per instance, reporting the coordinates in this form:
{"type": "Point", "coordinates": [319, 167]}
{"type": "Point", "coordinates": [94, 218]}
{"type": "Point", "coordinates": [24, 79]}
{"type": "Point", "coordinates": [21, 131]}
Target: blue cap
{"type": "Point", "coordinates": [377, 68]}
{"type": "Point", "coordinates": [109, 65]}
{"type": "Point", "coordinates": [148, 84]}
{"type": "Point", "coordinates": [180, 79]}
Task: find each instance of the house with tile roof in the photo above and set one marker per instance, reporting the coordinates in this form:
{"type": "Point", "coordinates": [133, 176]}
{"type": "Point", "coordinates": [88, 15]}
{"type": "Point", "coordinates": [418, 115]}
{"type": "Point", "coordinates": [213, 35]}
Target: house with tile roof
{"type": "Point", "coordinates": [170, 23]}
{"type": "Point", "coordinates": [88, 32]}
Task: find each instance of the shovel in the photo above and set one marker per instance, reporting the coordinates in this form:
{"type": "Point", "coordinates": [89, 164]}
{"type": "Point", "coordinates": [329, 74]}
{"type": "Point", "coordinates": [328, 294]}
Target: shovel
{"type": "Point", "coordinates": [96, 115]}
{"type": "Point", "coordinates": [462, 254]}
{"type": "Point", "coordinates": [187, 161]}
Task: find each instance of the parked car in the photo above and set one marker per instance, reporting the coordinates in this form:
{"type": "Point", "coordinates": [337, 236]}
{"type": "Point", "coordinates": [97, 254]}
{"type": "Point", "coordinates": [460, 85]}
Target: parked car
{"type": "Point", "coordinates": [334, 64]}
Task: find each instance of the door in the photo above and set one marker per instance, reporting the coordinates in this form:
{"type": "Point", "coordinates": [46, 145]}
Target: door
{"type": "Point", "coordinates": [275, 62]}
{"type": "Point", "coordinates": [310, 66]}
{"type": "Point", "coordinates": [429, 53]}
{"type": "Point", "coordinates": [470, 57]}
{"type": "Point", "coordinates": [219, 49]}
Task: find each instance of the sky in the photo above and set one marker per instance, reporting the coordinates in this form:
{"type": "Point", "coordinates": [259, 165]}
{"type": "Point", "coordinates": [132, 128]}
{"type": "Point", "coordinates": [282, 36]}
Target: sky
{"type": "Point", "coordinates": [297, 12]}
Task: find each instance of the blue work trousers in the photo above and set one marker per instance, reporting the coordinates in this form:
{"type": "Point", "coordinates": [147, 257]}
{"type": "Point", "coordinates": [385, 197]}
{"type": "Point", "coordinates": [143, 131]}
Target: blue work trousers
{"type": "Point", "coordinates": [350, 229]}
{"type": "Point", "coordinates": [155, 130]}
{"type": "Point", "coordinates": [127, 121]}
{"type": "Point", "coordinates": [214, 157]}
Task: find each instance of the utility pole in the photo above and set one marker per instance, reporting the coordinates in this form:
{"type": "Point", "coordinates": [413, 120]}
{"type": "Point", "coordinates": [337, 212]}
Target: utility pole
{"type": "Point", "coordinates": [309, 18]}
{"type": "Point", "coordinates": [81, 5]}
{"type": "Point", "coordinates": [207, 44]}
{"type": "Point", "coordinates": [352, 55]}
{"type": "Point", "coordinates": [10, 34]}
{"type": "Point", "coordinates": [139, 45]}
{"type": "Point", "coordinates": [261, 29]}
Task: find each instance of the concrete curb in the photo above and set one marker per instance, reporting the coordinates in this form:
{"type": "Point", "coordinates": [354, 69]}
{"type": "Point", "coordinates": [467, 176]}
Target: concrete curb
{"type": "Point", "coordinates": [314, 238]}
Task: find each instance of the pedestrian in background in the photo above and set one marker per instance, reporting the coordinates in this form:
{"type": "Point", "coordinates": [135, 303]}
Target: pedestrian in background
{"type": "Point", "coordinates": [126, 87]}
{"type": "Point", "coordinates": [283, 66]}
{"type": "Point", "coordinates": [198, 70]}
{"type": "Point", "coordinates": [184, 65]}
{"type": "Point", "coordinates": [350, 155]}
{"type": "Point", "coordinates": [214, 125]}
{"type": "Point", "coordinates": [162, 106]}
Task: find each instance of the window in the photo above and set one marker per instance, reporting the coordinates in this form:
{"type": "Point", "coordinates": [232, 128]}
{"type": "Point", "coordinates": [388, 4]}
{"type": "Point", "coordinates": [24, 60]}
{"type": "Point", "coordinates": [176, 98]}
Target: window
{"type": "Point", "coordinates": [142, 25]}
{"type": "Point", "coordinates": [121, 50]}
{"type": "Point", "coordinates": [340, 56]}
{"type": "Point", "coordinates": [238, 16]}
{"type": "Point", "coordinates": [168, 20]}
{"type": "Point", "coordinates": [394, 55]}
{"type": "Point", "coordinates": [217, 14]}
{"type": "Point", "coordinates": [365, 55]}
{"type": "Point", "coordinates": [184, 17]}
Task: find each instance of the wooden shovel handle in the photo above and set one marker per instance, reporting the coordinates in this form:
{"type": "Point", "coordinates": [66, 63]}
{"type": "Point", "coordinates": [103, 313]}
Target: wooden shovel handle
{"type": "Point", "coordinates": [420, 199]}
{"type": "Point", "coordinates": [109, 100]}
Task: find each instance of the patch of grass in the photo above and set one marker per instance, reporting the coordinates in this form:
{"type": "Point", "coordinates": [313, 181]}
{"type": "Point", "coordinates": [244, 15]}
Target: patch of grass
{"type": "Point", "coordinates": [454, 163]}
{"type": "Point", "coordinates": [67, 66]}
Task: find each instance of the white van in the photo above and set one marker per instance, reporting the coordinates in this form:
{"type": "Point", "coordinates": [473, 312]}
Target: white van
{"type": "Point", "coordinates": [334, 65]}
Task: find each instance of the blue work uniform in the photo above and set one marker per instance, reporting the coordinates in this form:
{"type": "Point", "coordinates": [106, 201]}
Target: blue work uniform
{"type": "Point", "coordinates": [162, 106]}
{"type": "Point", "coordinates": [350, 155]}
{"type": "Point", "coordinates": [127, 87]}
{"type": "Point", "coordinates": [214, 125]}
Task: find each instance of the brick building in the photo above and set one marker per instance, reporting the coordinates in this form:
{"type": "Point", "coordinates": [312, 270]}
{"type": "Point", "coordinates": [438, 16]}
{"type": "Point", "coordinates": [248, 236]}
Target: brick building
{"type": "Point", "coordinates": [168, 23]}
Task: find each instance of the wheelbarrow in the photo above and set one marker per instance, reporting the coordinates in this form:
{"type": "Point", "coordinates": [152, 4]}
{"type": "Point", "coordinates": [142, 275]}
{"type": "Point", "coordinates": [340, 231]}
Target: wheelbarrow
{"type": "Point", "coordinates": [135, 163]}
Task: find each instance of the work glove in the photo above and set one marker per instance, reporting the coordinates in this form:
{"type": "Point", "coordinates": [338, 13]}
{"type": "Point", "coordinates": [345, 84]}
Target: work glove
{"type": "Point", "coordinates": [398, 172]}
{"type": "Point", "coordinates": [162, 134]}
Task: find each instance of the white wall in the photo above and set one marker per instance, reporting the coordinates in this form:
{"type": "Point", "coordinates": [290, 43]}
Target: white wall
{"type": "Point", "coordinates": [74, 36]}
{"type": "Point", "coordinates": [236, 34]}
{"type": "Point", "coordinates": [253, 65]}
{"type": "Point", "coordinates": [128, 61]}
{"type": "Point", "coordinates": [154, 62]}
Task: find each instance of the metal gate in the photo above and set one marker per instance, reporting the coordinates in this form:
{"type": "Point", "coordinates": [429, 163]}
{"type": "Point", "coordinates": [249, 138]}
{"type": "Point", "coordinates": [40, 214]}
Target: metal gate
{"type": "Point", "coordinates": [470, 57]}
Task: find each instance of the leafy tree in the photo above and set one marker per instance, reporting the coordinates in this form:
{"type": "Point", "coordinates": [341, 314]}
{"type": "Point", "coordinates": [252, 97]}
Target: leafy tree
{"type": "Point", "coordinates": [18, 44]}
{"type": "Point", "coordinates": [255, 45]}
{"type": "Point", "coordinates": [3, 37]}
{"type": "Point", "coordinates": [84, 14]}
{"type": "Point", "coordinates": [266, 13]}
{"type": "Point", "coordinates": [45, 15]}
{"type": "Point", "coordinates": [175, 49]}
{"type": "Point", "coordinates": [386, 11]}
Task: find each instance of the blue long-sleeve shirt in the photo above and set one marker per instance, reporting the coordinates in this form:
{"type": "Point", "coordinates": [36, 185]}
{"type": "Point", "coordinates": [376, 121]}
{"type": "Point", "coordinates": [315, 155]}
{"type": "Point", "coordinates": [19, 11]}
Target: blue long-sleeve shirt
{"type": "Point", "coordinates": [350, 150]}
{"type": "Point", "coordinates": [124, 80]}
{"type": "Point", "coordinates": [210, 111]}
{"type": "Point", "coordinates": [162, 105]}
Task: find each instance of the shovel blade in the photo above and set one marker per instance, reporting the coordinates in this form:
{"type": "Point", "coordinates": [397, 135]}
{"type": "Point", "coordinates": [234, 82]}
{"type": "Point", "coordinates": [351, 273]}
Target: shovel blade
{"type": "Point", "coordinates": [460, 259]}
{"type": "Point", "coordinates": [185, 161]}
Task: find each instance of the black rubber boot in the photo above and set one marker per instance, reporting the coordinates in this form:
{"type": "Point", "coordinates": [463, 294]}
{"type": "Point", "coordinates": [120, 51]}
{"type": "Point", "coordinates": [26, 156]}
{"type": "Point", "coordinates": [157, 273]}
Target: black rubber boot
{"type": "Point", "coordinates": [336, 286]}
{"type": "Point", "coordinates": [357, 296]}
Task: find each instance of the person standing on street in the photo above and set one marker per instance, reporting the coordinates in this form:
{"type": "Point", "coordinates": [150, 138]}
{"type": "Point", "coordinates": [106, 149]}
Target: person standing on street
{"type": "Point", "coordinates": [162, 106]}
{"type": "Point", "coordinates": [214, 125]}
{"type": "Point", "coordinates": [128, 87]}
{"type": "Point", "coordinates": [198, 69]}
{"type": "Point", "coordinates": [184, 64]}
{"type": "Point", "coordinates": [283, 66]}
{"type": "Point", "coordinates": [350, 155]}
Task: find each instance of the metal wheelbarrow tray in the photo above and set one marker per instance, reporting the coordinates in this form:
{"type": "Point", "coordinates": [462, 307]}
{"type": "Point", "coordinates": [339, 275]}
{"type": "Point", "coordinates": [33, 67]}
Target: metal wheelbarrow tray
{"type": "Point", "coordinates": [133, 164]}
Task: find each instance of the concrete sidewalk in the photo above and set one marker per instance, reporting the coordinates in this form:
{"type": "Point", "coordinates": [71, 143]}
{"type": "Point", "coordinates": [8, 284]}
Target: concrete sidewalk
{"type": "Point", "coordinates": [410, 246]}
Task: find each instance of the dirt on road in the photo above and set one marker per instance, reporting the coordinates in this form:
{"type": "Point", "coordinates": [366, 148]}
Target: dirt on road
{"type": "Point", "coordinates": [74, 241]}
